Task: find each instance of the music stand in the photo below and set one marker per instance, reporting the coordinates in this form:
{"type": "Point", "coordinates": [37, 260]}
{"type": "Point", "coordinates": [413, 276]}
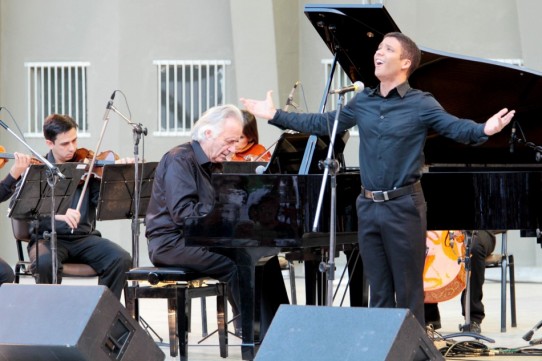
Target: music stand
{"type": "Point", "coordinates": [33, 198]}
{"type": "Point", "coordinates": [117, 196]}
{"type": "Point", "coordinates": [43, 193]}
{"type": "Point", "coordinates": [289, 156]}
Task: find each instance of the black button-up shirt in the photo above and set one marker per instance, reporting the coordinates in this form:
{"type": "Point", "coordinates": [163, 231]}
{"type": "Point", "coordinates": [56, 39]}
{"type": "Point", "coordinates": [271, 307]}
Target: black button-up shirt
{"type": "Point", "coordinates": [392, 132]}
{"type": "Point", "coordinates": [182, 187]}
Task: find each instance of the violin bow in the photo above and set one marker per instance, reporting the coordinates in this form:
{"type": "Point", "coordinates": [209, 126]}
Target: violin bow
{"type": "Point", "coordinates": [93, 160]}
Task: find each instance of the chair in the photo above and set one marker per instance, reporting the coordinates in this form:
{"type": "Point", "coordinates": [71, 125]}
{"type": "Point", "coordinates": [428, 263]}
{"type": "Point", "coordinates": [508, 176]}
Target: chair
{"type": "Point", "coordinates": [179, 286]}
{"type": "Point", "coordinates": [506, 262]}
{"type": "Point", "coordinates": [22, 267]}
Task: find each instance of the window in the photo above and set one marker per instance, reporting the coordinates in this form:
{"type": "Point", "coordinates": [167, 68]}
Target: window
{"type": "Point", "coordinates": [340, 80]}
{"type": "Point", "coordinates": [56, 88]}
{"type": "Point", "coordinates": [185, 90]}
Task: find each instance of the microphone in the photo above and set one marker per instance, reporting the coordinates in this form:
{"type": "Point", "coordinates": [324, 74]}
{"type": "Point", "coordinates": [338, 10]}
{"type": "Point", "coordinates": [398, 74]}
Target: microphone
{"type": "Point", "coordinates": [109, 106]}
{"type": "Point", "coordinates": [512, 137]}
{"type": "Point", "coordinates": [291, 96]}
{"type": "Point", "coordinates": [529, 335]}
{"type": "Point", "coordinates": [110, 102]}
{"type": "Point", "coordinates": [356, 87]}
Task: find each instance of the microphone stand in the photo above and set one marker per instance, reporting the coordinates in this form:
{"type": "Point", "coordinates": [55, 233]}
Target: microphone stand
{"type": "Point", "coordinates": [330, 168]}
{"type": "Point", "coordinates": [138, 130]}
{"type": "Point", "coordinates": [53, 174]}
{"type": "Point", "coordinates": [328, 267]}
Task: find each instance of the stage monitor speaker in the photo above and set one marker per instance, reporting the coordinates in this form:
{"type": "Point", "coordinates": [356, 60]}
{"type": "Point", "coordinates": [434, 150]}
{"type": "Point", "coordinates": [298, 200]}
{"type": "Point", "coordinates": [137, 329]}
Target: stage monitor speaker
{"type": "Point", "coordinates": [312, 333]}
{"type": "Point", "coordinates": [69, 323]}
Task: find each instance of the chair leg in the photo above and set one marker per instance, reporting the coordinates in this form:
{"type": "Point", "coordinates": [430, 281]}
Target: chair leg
{"type": "Point", "coordinates": [222, 316]}
{"type": "Point", "coordinates": [504, 269]}
{"type": "Point", "coordinates": [204, 330]}
{"type": "Point", "coordinates": [183, 317]}
{"type": "Point", "coordinates": [291, 272]}
{"type": "Point", "coordinates": [172, 309]}
{"type": "Point", "coordinates": [512, 290]}
{"type": "Point", "coordinates": [17, 272]}
{"type": "Point", "coordinates": [131, 302]}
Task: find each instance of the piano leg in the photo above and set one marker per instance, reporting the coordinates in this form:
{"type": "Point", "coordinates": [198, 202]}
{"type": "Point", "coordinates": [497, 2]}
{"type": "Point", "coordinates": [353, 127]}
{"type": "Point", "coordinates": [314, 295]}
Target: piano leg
{"type": "Point", "coordinates": [251, 295]}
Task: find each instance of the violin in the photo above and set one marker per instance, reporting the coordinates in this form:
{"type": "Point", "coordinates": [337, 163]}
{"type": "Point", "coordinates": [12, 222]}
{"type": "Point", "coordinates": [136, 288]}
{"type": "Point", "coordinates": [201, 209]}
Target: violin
{"type": "Point", "coordinates": [88, 156]}
{"type": "Point", "coordinates": [84, 155]}
{"type": "Point", "coordinates": [4, 157]}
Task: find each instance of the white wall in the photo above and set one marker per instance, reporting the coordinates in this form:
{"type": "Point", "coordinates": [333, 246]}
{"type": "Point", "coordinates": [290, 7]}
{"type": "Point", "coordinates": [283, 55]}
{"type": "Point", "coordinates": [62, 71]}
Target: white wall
{"type": "Point", "coordinates": [271, 45]}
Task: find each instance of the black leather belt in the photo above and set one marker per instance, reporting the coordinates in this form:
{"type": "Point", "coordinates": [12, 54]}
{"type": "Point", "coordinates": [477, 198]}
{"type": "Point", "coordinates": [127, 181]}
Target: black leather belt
{"type": "Point", "coordinates": [382, 196]}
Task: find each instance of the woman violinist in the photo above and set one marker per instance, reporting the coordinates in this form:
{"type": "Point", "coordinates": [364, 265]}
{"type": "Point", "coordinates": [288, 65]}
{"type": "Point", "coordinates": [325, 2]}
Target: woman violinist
{"type": "Point", "coordinates": [248, 149]}
{"type": "Point", "coordinates": [77, 237]}
{"type": "Point", "coordinates": [7, 186]}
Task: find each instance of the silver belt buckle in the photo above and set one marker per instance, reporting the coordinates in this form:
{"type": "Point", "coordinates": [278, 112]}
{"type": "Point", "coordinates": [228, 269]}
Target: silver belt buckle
{"type": "Point", "coordinates": [384, 196]}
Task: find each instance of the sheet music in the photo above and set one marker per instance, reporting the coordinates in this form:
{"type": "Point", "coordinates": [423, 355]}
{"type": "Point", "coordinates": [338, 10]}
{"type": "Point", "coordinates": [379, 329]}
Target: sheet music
{"type": "Point", "coordinates": [117, 190]}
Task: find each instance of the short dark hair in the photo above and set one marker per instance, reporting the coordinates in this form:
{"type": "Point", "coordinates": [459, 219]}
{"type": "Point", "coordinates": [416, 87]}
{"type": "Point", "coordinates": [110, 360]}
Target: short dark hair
{"type": "Point", "coordinates": [410, 50]}
{"type": "Point", "coordinates": [56, 124]}
{"type": "Point", "coordinates": [250, 127]}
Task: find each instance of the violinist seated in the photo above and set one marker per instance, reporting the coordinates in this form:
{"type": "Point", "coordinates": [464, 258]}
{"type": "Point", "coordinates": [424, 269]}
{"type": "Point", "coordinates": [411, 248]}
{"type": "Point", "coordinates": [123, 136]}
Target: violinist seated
{"type": "Point", "coordinates": [248, 149]}
{"type": "Point", "coordinates": [482, 245]}
{"type": "Point", "coordinates": [7, 187]}
{"type": "Point", "coordinates": [78, 240]}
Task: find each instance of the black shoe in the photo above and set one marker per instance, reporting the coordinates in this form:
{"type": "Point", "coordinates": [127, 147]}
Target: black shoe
{"type": "Point", "coordinates": [435, 325]}
{"type": "Point", "coordinates": [475, 327]}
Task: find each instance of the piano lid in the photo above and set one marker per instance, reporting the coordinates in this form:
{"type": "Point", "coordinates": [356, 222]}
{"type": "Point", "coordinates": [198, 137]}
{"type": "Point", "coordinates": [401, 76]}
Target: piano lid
{"type": "Point", "coordinates": [465, 86]}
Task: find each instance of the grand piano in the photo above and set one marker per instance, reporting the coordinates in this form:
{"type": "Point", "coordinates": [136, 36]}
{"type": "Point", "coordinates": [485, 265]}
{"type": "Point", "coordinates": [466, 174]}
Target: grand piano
{"type": "Point", "coordinates": [493, 186]}
{"type": "Point", "coordinates": [497, 185]}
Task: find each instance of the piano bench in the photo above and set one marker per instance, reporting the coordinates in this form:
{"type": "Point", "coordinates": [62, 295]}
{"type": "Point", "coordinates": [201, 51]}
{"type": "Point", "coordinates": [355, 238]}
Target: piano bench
{"type": "Point", "coordinates": [179, 286]}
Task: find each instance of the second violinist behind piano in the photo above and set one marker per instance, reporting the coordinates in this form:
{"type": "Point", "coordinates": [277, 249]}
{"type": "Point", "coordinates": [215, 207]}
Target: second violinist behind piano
{"type": "Point", "coordinates": [393, 120]}
{"type": "Point", "coordinates": [248, 148]}
{"type": "Point", "coordinates": [78, 240]}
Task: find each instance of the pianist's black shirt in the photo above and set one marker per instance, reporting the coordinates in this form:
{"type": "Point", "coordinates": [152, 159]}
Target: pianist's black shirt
{"type": "Point", "coordinates": [182, 187]}
{"type": "Point", "coordinates": [392, 132]}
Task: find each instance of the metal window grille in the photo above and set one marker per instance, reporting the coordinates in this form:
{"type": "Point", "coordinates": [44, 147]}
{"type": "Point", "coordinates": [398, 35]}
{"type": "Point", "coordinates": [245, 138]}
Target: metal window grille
{"type": "Point", "coordinates": [340, 79]}
{"type": "Point", "coordinates": [185, 90]}
{"type": "Point", "coordinates": [56, 88]}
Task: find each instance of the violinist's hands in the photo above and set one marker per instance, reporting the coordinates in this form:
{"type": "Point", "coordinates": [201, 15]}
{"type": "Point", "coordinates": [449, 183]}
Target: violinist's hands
{"type": "Point", "coordinates": [22, 161]}
{"type": "Point", "coordinates": [72, 217]}
{"type": "Point", "coordinates": [261, 108]}
{"type": "Point", "coordinates": [125, 161]}
{"type": "Point", "coordinates": [498, 121]}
